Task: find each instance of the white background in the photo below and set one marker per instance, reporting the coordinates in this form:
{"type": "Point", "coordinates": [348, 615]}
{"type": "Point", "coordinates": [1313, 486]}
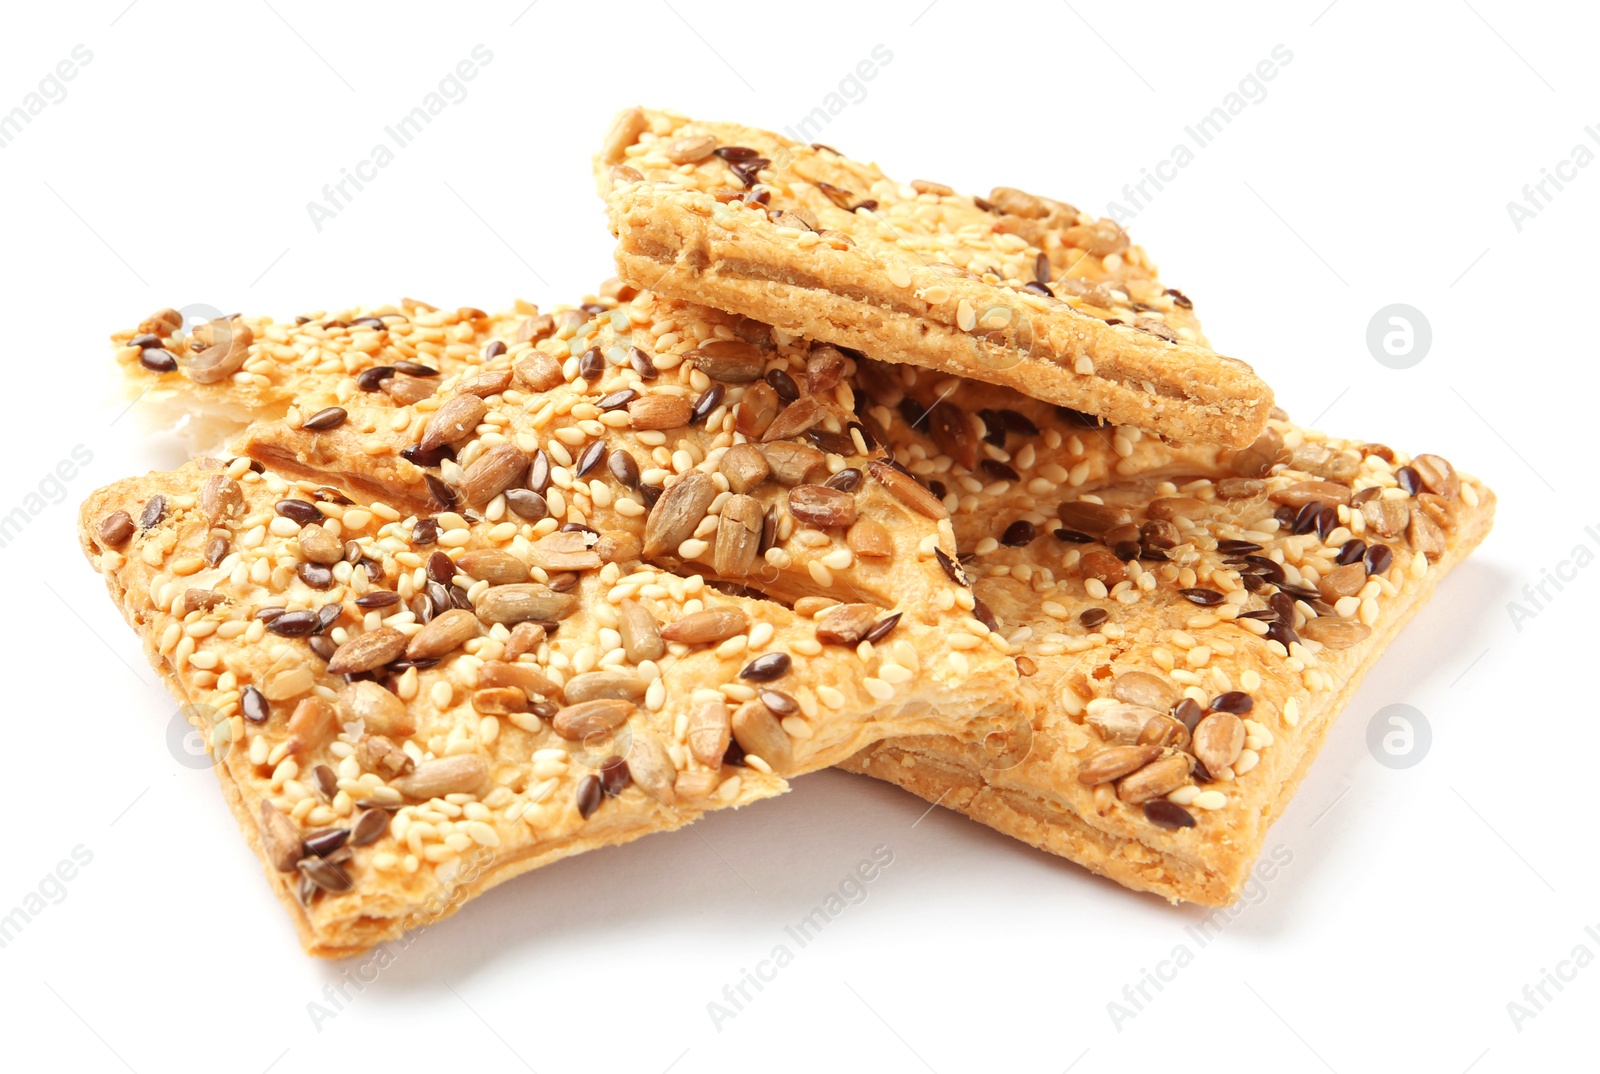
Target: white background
{"type": "Point", "coordinates": [1377, 169]}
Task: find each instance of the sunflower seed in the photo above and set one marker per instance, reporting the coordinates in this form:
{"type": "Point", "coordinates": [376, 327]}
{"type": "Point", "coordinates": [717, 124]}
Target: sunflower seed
{"type": "Point", "coordinates": [453, 422]}
{"type": "Point", "coordinates": [705, 627]}
{"type": "Point", "coordinates": [738, 536]}
{"type": "Point", "coordinates": [1164, 731]}
{"type": "Point", "coordinates": [846, 624]}
{"type": "Point", "coordinates": [577, 722]}
{"type": "Point", "coordinates": [790, 463]}
{"type": "Point", "coordinates": [795, 420]}
{"type": "Point", "coordinates": [364, 652]}
{"type": "Point", "coordinates": [492, 566]}
{"type": "Point", "coordinates": [220, 349]}
{"type": "Point", "coordinates": [709, 732]}
{"type": "Point", "coordinates": [1307, 492]}
{"type": "Point", "coordinates": [495, 471]}
{"type": "Point", "coordinates": [641, 636]}
{"type": "Point", "coordinates": [518, 603]}
{"type": "Point", "coordinates": [1114, 762]}
{"type": "Point", "coordinates": [379, 711]}
{"type": "Point", "coordinates": [1092, 518]}
{"type": "Point", "coordinates": [758, 731]}
{"type": "Point", "coordinates": [607, 685]}
{"type": "Point", "coordinates": [1118, 722]}
{"type": "Point", "coordinates": [1336, 633]}
{"type": "Point", "coordinates": [1155, 780]}
{"type": "Point", "coordinates": [1425, 536]}
{"type": "Point", "coordinates": [674, 517]}
{"type": "Point", "coordinates": [1437, 475]}
{"type": "Point", "coordinates": [907, 489]}
{"type": "Point", "coordinates": [461, 773]}
{"type": "Point", "coordinates": [378, 754]}
{"type": "Point", "coordinates": [691, 149]}
{"type": "Point", "coordinates": [1143, 688]}
{"type": "Point", "coordinates": [486, 382]}
{"type": "Point", "coordinates": [818, 505]}
{"type": "Point", "coordinates": [744, 466]}
{"type": "Point", "coordinates": [729, 360]}
{"type": "Point", "coordinates": [1218, 740]}
{"type": "Point", "coordinates": [651, 768]}
{"type": "Point", "coordinates": [539, 372]}
{"type": "Point", "coordinates": [280, 839]}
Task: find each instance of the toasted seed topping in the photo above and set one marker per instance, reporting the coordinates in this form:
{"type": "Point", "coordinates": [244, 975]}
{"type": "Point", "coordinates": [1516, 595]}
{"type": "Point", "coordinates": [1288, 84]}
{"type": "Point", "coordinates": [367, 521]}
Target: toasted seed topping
{"type": "Point", "coordinates": [756, 730]}
{"type": "Point", "coordinates": [674, 517]}
{"type": "Point", "coordinates": [767, 667]}
{"type": "Point", "coordinates": [1019, 533]}
{"type": "Point", "coordinates": [116, 528]}
{"type": "Point", "coordinates": [453, 422]}
{"type": "Point", "coordinates": [1156, 779]}
{"type": "Point", "coordinates": [158, 359]}
{"type": "Point", "coordinates": [600, 716]}
{"type": "Point", "coordinates": [367, 651]}
{"type": "Point", "coordinates": [325, 875]}
{"type": "Point", "coordinates": [298, 511]}
{"type": "Point", "coordinates": [951, 568]}
{"type": "Point", "coordinates": [704, 627]}
{"type": "Point", "coordinates": [463, 773]}
{"type": "Point", "coordinates": [818, 505]}
{"type": "Point", "coordinates": [446, 497]}
{"type": "Point", "coordinates": [847, 624]}
{"type": "Point", "coordinates": [254, 705]}
{"type": "Point", "coordinates": [155, 512]}
{"type": "Point", "coordinates": [907, 489]}
{"type": "Point", "coordinates": [1168, 815]}
{"type": "Point", "coordinates": [330, 418]}
{"type": "Point", "coordinates": [1234, 701]}
{"type": "Point", "coordinates": [280, 839]}
{"type": "Point", "coordinates": [1218, 740]}
{"type": "Point", "coordinates": [614, 776]}
{"type": "Point", "coordinates": [588, 796]}
{"type": "Point", "coordinates": [1092, 617]}
{"type": "Point", "coordinates": [519, 603]}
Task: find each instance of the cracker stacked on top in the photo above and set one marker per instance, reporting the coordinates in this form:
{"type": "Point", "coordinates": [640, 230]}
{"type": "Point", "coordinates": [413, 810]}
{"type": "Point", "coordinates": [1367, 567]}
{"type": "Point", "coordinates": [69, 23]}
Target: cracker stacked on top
{"type": "Point", "coordinates": [949, 491]}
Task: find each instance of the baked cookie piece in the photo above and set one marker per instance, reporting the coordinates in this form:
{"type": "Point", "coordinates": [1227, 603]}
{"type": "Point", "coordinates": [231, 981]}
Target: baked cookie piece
{"type": "Point", "coordinates": [1187, 621]}
{"type": "Point", "coordinates": [1014, 289]}
{"type": "Point", "coordinates": [209, 379]}
{"type": "Point", "coordinates": [397, 724]}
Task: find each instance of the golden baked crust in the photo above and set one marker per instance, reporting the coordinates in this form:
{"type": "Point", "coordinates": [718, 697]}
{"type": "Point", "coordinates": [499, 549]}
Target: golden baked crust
{"type": "Point", "coordinates": [559, 493]}
{"type": "Point", "coordinates": [322, 751]}
{"type": "Point", "coordinates": [1266, 637]}
{"type": "Point", "coordinates": [1016, 290]}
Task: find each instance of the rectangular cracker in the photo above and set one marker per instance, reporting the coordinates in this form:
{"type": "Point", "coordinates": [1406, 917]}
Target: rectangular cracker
{"type": "Point", "coordinates": [1180, 625]}
{"type": "Point", "coordinates": [762, 653]}
{"type": "Point", "coordinates": [505, 791]}
{"type": "Point", "coordinates": [1014, 290]}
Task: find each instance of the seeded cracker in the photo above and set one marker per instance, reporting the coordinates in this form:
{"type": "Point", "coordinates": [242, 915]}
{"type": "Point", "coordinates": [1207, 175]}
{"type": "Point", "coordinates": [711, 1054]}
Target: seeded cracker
{"type": "Point", "coordinates": [1263, 631]}
{"type": "Point", "coordinates": [1187, 621]}
{"type": "Point", "coordinates": [1015, 289]}
{"type": "Point", "coordinates": [545, 589]}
